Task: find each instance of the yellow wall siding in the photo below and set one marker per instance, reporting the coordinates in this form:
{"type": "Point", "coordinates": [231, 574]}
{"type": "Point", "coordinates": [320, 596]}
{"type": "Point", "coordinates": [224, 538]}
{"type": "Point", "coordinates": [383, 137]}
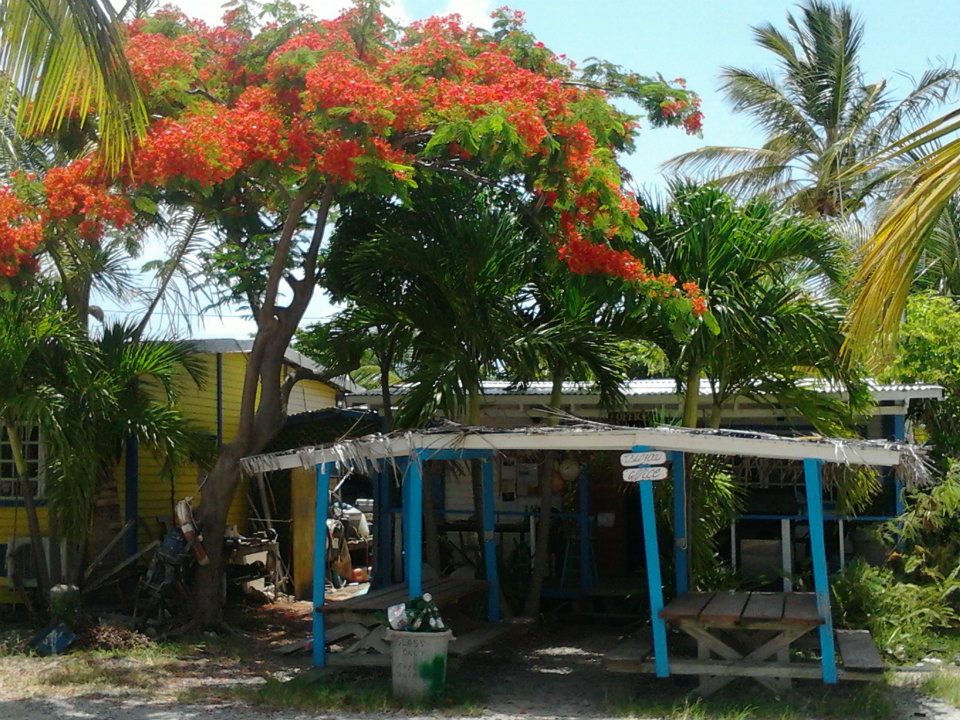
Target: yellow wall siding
{"type": "Point", "coordinates": [311, 395]}
{"type": "Point", "coordinates": [13, 522]}
{"type": "Point", "coordinates": [199, 405]}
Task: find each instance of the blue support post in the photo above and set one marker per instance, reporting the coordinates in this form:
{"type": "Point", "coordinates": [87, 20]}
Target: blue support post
{"type": "Point", "coordinates": [320, 563]}
{"type": "Point", "coordinates": [490, 543]}
{"type": "Point", "coordinates": [680, 549]}
{"type": "Point", "coordinates": [413, 525]}
{"type": "Point", "coordinates": [583, 519]}
{"type": "Point", "coordinates": [652, 549]}
{"type": "Point", "coordinates": [818, 553]}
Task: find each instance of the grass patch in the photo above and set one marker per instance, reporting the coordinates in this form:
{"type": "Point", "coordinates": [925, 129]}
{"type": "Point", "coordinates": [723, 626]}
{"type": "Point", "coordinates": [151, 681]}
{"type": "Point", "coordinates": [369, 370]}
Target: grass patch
{"type": "Point", "coordinates": [943, 684]}
{"type": "Point", "coordinates": [868, 701]}
{"type": "Point", "coordinates": [90, 673]}
{"type": "Point", "coordinates": [366, 692]}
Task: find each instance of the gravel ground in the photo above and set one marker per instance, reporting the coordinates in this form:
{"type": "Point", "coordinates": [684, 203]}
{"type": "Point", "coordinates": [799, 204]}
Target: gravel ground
{"type": "Point", "coordinates": [552, 674]}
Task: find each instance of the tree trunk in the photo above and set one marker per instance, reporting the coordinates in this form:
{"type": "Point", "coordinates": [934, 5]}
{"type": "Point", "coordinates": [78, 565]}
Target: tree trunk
{"type": "Point", "coordinates": [265, 391]}
{"type": "Point", "coordinates": [541, 560]}
{"type": "Point", "coordinates": [30, 507]}
{"type": "Point", "coordinates": [691, 397]}
{"type": "Point", "coordinates": [385, 396]}
{"type": "Point", "coordinates": [218, 491]}
{"type": "Point", "coordinates": [716, 415]}
{"type": "Point", "coordinates": [261, 416]}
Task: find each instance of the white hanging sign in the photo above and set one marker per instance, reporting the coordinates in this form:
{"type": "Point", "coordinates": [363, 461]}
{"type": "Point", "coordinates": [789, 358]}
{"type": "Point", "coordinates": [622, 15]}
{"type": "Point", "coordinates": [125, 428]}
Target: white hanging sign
{"type": "Point", "coordinates": [654, 457]}
{"type": "Point", "coordinates": [645, 473]}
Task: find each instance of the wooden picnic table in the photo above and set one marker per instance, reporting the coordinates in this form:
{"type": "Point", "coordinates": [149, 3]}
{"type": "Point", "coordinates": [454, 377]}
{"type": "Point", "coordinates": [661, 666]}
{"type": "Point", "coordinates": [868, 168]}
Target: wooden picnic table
{"type": "Point", "coordinates": [766, 624]}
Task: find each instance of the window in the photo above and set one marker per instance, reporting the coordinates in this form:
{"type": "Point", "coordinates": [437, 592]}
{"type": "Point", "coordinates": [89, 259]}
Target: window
{"type": "Point", "coordinates": [33, 453]}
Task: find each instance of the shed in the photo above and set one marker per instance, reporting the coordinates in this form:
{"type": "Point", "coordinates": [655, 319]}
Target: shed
{"type": "Point", "coordinates": [409, 451]}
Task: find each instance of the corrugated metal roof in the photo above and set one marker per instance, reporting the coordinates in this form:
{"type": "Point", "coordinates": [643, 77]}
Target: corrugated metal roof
{"type": "Point", "coordinates": [233, 345]}
{"type": "Point", "coordinates": [667, 388]}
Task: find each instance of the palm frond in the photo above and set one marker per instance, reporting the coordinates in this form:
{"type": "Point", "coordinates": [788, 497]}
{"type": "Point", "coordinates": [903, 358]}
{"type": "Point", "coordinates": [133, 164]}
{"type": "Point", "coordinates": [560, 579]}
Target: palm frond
{"type": "Point", "coordinates": [66, 57]}
{"type": "Point", "coordinates": [886, 272]}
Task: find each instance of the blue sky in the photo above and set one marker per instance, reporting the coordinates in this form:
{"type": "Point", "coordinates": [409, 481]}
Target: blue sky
{"type": "Point", "coordinates": [694, 39]}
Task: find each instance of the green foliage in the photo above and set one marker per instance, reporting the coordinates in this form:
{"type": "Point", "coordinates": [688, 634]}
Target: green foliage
{"type": "Point", "coordinates": [902, 616]}
{"type": "Point", "coordinates": [943, 684]}
{"type": "Point", "coordinates": [917, 594]}
{"type": "Point", "coordinates": [928, 350]}
{"type": "Point", "coordinates": [716, 499]}
{"type": "Point", "coordinates": [768, 275]}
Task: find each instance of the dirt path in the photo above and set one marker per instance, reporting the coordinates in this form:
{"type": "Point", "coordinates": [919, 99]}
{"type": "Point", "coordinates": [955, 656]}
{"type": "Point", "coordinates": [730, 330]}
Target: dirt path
{"type": "Point", "coordinates": [552, 673]}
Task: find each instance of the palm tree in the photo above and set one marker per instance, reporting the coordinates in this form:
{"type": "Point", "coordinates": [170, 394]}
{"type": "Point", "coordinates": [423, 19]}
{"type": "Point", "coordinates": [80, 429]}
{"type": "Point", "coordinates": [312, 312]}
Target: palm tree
{"type": "Point", "coordinates": [63, 58]}
{"type": "Point", "coordinates": [47, 362]}
{"type": "Point", "coordinates": [819, 116]}
{"type": "Point", "coordinates": [768, 275]}
{"type": "Point", "coordinates": [145, 378]}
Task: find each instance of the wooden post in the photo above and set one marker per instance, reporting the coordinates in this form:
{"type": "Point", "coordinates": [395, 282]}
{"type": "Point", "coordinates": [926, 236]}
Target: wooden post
{"type": "Point", "coordinates": [652, 549]}
{"type": "Point", "coordinates": [899, 433]}
{"type": "Point", "coordinates": [382, 527]}
{"type": "Point", "coordinates": [786, 553]}
{"type": "Point", "coordinates": [583, 519]}
{"type": "Point", "coordinates": [490, 542]}
{"type": "Point", "coordinates": [413, 525]}
{"type": "Point", "coordinates": [818, 553]}
{"type": "Point", "coordinates": [320, 563]}
{"type": "Point", "coordinates": [680, 551]}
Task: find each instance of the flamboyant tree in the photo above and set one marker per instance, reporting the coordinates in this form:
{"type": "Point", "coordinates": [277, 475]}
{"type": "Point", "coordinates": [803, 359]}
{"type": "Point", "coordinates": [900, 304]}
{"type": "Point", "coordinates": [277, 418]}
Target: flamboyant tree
{"type": "Point", "coordinates": [260, 126]}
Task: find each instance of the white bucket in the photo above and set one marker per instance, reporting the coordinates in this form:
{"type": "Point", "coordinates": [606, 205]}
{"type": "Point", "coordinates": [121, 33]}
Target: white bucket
{"type": "Point", "coordinates": [418, 662]}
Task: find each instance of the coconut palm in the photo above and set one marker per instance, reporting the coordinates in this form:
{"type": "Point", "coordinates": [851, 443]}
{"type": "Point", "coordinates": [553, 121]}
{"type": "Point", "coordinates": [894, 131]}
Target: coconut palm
{"type": "Point", "coordinates": [65, 57]}
{"type": "Point", "coordinates": [768, 277]}
{"type": "Point", "coordinates": [820, 117]}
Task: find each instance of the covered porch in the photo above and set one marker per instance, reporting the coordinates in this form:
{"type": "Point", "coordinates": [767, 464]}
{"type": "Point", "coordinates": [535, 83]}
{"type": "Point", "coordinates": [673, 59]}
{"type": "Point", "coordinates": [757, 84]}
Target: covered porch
{"type": "Point", "coordinates": [645, 452]}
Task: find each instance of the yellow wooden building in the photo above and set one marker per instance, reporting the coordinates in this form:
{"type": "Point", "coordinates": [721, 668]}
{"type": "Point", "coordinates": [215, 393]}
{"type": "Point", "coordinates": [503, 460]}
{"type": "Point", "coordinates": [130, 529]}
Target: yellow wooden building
{"type": "Point", "coordinates": [143, 492]}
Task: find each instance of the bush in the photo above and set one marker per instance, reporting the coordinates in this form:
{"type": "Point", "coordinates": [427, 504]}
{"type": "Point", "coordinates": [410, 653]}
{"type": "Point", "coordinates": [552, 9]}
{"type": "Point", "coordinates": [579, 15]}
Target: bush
{"type": "Point", "coordinates": [903, 617]}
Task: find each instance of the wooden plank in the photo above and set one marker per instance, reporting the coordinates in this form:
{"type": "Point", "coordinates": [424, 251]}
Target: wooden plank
{"type": "Point", "coordinates": [801, 609]}
{"type": "Point", "coordinates": [763, 606]}
{"type": "Point", "coordinates": [808, 671]}
{"type": "Point", "coordinates": [358, 660]}
{"type": "Point", "coordinates": [858, 651]}
{"type": "Point", "coordinates": [686, 606]}
{"type": "Point", "coordinates": [724, 607]}
{"type": "Point", "coordinates": [445, 591]}
{"type": "Point", "coordinates": [630, 649]}
{"type": "Point", "coordinates": [737, 668]}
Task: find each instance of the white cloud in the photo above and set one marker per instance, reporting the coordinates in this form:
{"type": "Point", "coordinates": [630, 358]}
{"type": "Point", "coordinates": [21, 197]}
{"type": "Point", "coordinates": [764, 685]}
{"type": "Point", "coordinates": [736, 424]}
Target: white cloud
{"type": "Point", "coordinates": [473, 12]}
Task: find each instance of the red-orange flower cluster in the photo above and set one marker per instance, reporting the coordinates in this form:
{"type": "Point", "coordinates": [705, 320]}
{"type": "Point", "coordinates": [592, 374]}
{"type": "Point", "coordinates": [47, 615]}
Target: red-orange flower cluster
{"type": "Point", "coordinates": [160, 63]}
{"type": "Point", "coordinates": [20, 234]}
{"type": "Point", "coordinates": [75, 194]}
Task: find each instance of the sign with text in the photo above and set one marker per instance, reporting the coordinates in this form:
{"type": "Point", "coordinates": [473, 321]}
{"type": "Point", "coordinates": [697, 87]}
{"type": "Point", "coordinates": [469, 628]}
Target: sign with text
{"type": "Point", "coordinates": [637, 474]}
{"type": "Point", "coordinates": [654, 457]}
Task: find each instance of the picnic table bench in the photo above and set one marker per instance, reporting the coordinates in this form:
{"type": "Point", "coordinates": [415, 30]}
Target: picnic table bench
{"type": "Point", "coordinates": [361, 617]}
{"type": "Point", "coordinates": [748, 634]}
